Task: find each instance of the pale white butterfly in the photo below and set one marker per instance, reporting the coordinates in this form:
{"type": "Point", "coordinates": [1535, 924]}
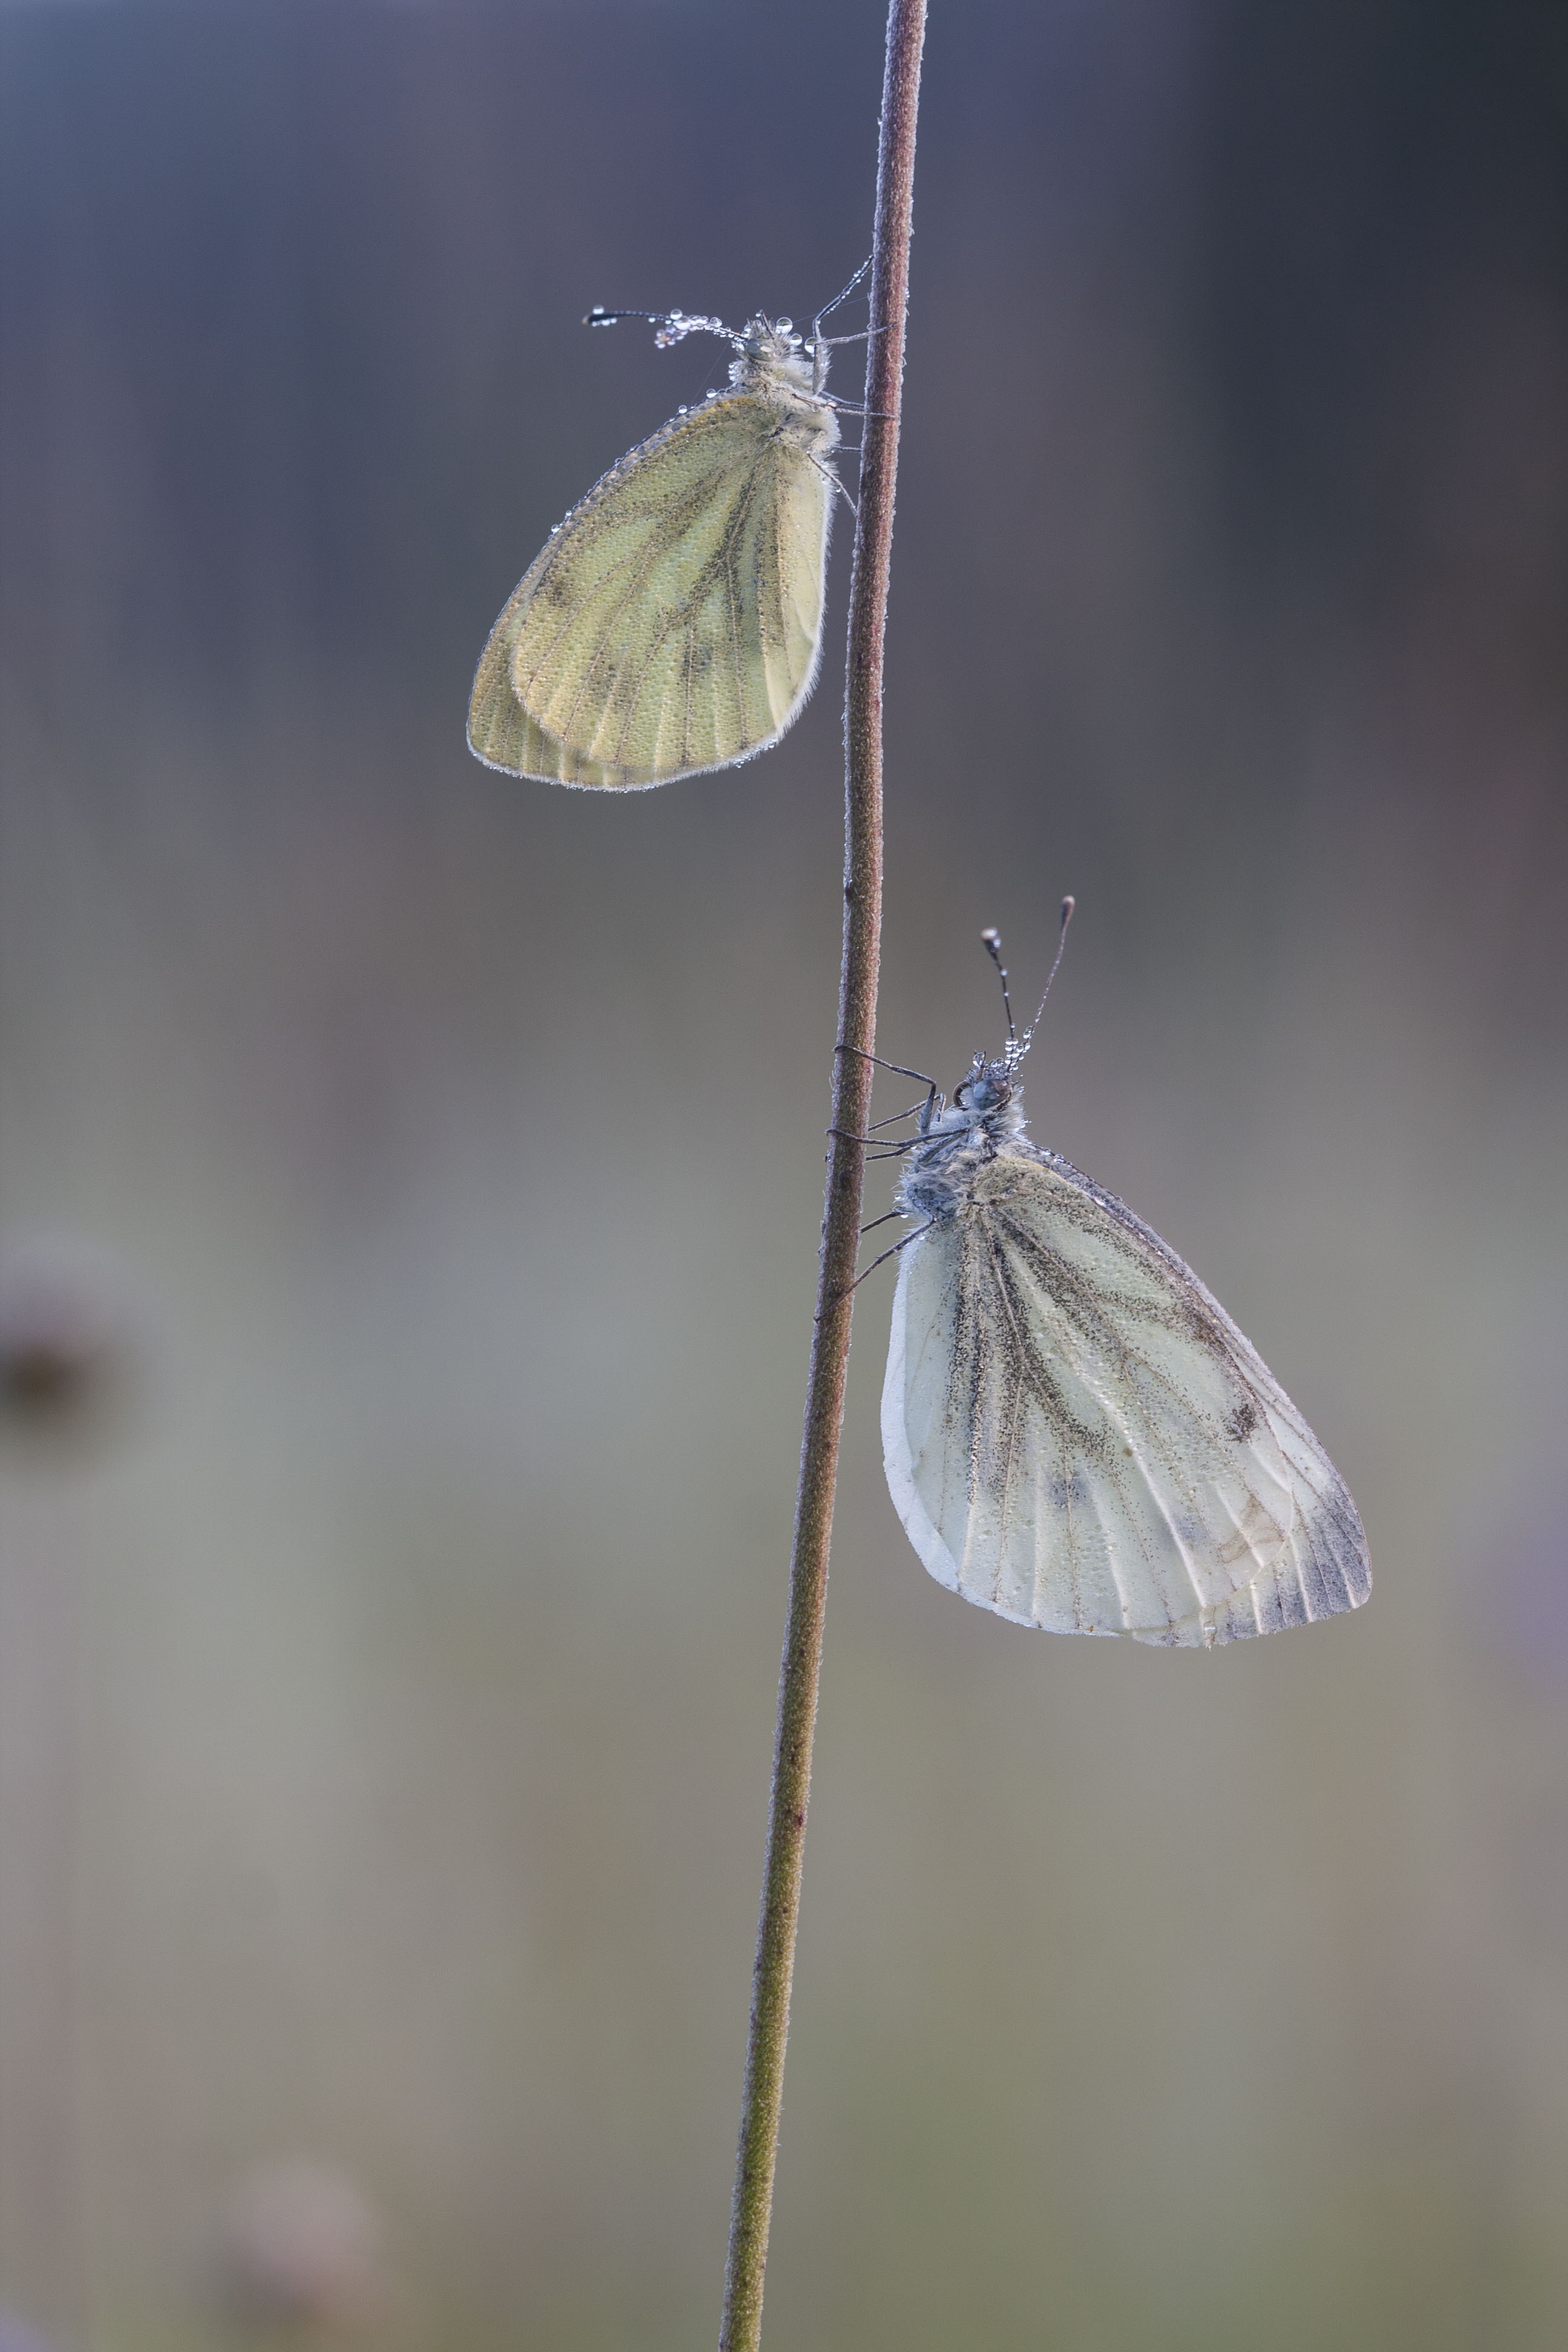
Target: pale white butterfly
{"type": "Point", "coordinates": [673, 622]}
{"type": "Point", "coordinates": [1075, 1433]}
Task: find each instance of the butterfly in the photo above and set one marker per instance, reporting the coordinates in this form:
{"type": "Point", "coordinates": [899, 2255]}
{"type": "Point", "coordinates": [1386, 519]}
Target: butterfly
{"type": "Point", "coordinates": [1075, 1434]}
{"type": "Point", "coordinates": [673, 622]}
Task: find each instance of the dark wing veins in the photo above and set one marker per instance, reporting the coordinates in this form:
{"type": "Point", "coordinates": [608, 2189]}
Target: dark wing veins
{"type": "Point", "coordinates": [1092, 1314]}
{"type": "Point", "coordinates": [671, 525]}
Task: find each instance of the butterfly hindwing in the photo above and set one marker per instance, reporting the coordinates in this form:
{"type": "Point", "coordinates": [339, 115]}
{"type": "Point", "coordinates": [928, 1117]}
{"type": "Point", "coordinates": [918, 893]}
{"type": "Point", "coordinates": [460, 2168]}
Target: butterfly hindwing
{"type": "Point", "coordinates": [503, 736]}
{"type": "Point", "coordinates": [1079, 1438]}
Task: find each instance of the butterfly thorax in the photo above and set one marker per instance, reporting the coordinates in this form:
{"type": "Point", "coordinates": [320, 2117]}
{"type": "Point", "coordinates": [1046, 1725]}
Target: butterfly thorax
{"type": "Point", "coordinates": [983, 1122]}
{"type": "Point", "coordinates": [772, 365]}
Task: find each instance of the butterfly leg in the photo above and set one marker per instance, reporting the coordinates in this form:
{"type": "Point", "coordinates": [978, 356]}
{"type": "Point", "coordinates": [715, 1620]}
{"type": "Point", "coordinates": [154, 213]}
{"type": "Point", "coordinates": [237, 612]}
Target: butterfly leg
{"type": "Point", "coordinates": [883, 1144]}
{"type": "Point", "coordinates": [897, 1068]}
{"type": "Point", "coordinates": [831, 478]}
{"type": "Point", "coordinates": [887, 1253]}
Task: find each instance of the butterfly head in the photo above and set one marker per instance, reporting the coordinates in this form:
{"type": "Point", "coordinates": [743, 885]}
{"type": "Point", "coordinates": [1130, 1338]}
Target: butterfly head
{"type": "Point", "coordinates": [989, 1098]}
{"type": "Point", "coordinates": [769, 338]}
{"type": "Point", "coordinates": [770, 354]}
{"type": "Point", "coordinates": [987, 1089]}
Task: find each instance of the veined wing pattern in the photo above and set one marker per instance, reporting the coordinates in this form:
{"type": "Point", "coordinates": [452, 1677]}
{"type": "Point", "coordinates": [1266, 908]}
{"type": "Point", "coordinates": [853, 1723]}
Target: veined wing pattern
{"type": "Point", "coordinates": [1079, 1438]}
{"type": "Point", "coordinates": [673, 623]}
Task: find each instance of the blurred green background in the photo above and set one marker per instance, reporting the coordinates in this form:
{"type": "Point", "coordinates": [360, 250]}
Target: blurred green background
{"type": "Point", "coordinates": [386, 1686]}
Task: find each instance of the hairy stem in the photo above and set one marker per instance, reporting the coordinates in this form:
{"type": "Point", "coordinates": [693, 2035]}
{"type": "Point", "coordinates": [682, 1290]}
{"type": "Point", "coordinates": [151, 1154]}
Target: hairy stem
{"type": "Point", "coordinates": [741, 2330]}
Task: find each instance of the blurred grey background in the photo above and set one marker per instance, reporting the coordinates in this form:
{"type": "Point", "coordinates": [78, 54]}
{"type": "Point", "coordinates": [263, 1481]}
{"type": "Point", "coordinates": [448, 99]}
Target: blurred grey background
{"type": "Point", "coordinates": [433, 1163]}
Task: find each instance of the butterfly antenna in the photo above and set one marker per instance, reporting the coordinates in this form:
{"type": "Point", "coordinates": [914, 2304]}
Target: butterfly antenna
{"type": "Point", "coordinates": [828, 307]}
{"type": "Point", "coordinates": [673, 326]}
{"type": "Point", "coordinates": [991, 942]}
{"type": "Point", "coordinates": [1068, 905]}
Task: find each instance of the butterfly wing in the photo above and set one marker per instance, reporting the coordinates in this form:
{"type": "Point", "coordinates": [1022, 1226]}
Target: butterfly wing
{"type": "Point", "coordinates": [1078, 1436]}
{"type": "Point", "coordinates": [674, 622]}
{"type": "Point", "coordinates": [503, 736]}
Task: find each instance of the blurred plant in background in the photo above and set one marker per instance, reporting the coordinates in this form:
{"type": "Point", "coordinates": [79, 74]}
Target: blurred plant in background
{"type": "Point", "coordinates": [300, 2248]}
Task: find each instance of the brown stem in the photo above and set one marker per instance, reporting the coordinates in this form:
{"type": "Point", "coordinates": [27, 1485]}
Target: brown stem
{"type": "Point", "coordinates": [741, 2329]}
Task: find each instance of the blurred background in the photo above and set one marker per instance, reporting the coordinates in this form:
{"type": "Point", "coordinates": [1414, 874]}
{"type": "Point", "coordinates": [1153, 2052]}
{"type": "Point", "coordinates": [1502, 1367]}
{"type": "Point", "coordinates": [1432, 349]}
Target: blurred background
{"type": "Point", "coordinates": [411, 1181]}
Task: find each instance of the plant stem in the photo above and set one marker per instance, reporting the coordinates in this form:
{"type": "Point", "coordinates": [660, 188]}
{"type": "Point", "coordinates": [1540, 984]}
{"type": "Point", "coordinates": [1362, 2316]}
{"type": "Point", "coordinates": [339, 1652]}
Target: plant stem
{"type": "Point", "coordinates": [741, 2329]}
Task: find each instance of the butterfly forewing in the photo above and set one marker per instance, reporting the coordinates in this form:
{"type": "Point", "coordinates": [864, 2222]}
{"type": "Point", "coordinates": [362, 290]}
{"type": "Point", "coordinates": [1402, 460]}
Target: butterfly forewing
{"type": "Point", "coordinates": [673, 623]}
{"type": "Point", "coordinates": [1078, 1436]}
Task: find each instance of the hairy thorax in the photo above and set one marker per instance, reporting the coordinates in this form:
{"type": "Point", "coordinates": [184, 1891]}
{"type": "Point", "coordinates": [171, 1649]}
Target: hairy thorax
{"type": "Point", "coordinates": [769, 370]}
{"type": "Point", "coordinates": [968, 1157]}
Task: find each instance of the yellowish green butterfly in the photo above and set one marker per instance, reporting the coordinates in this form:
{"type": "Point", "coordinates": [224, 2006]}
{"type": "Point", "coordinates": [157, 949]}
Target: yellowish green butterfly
{"type": "Point", "coordinates": [673, 622]}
